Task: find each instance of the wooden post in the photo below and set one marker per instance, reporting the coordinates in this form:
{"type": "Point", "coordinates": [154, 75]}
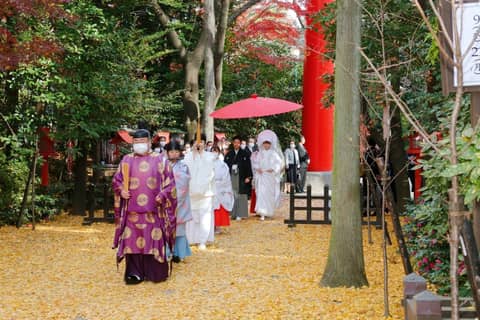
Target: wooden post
{"type": "Point", "coordinates": [326, 203]}
{"type": "Point", "coordinates": [291, 224]}
{"type": "Point", "coordinates": [309, 203]}
{"type": "Point", "coordinates": [369, 228]}
{"type": "Point", "coordinates": [470, 253]}
{"type": "Point", "coordinates": [106, 199]}
{"type": "Point", "coordinates": [91, 201]}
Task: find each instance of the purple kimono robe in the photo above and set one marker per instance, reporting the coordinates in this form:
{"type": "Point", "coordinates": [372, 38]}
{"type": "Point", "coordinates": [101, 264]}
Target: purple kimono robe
{"type": "Point", "coordinates": [148, 223]}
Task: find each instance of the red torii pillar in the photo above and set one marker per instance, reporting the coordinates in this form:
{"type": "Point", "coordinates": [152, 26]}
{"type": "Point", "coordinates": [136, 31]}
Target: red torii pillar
{"type": "Point", "coordinates": [317, 122]}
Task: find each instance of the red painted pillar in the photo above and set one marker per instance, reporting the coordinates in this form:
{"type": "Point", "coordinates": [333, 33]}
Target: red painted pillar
{"type": "Point", "coordinates": [46, 149]}
{"type": "Point", "coordinates": [317, 123]}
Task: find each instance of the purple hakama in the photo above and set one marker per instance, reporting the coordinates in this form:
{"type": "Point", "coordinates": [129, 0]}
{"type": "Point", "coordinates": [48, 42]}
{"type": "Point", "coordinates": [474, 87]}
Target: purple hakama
{"type": "Point", "coordinates": [146, 227]}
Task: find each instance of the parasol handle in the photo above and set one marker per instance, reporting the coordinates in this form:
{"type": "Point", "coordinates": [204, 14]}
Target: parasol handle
{"type": "Point", "coordinates": [199, 130]}
{"type": "Point", "coordinates": [126, 176]}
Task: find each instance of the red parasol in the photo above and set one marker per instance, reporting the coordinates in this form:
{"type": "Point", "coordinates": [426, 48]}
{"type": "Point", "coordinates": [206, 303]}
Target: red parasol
{"type": "Point", "coordinates": [121, 136]}
{"type": "Point", "coordinates": [255, 107]}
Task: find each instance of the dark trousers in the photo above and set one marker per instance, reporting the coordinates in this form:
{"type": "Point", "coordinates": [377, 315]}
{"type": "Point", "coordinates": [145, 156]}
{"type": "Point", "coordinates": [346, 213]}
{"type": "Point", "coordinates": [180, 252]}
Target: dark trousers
{"type": "Point", "coordinates": [302, 179]}
{"type": "Point", "coordinates": [240, 206]}
{"type": "Point", "coordinates": [146, 267]}
{"type": "Point", "coordinates": [292, 174]}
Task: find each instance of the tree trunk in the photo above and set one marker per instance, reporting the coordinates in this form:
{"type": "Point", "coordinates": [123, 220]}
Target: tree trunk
{"type": "Point", "coordinates": [345, 263]}
{"type": "Point", "coordinates": [25, 191]}
{"type": "Point", "coordinates": [79, 201]}
{"type": "Point", "coordinates": [399, 162]}
{"type": "Point", "coordinates": [400, 187]}
{"type": "Point", "coordinates": [210, 89]}
{"type": "Point", "coordinates": [193, 61]}
{"type": "Point", "coordinates": [192, 89]}
{"type": "Point", "coordinates": [220, 47]}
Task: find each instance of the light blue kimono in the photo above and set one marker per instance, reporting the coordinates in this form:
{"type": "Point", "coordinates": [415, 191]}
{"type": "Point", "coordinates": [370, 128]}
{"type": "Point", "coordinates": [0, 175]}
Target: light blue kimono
{"type": "Point", "coordinates": [184, 211]}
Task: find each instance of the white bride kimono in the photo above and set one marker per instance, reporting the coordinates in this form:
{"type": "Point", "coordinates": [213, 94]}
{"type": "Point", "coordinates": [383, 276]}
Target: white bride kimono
{"type": "Point", "coordinates": [202, 191]}
{"type": "Point", "coordinates": [267, 184]}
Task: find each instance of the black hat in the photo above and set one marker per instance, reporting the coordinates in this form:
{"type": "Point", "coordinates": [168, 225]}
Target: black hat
{"type": "Point", "coordinates": [141, 133]}
{"type": "Point", "coordinates": [173, 145]}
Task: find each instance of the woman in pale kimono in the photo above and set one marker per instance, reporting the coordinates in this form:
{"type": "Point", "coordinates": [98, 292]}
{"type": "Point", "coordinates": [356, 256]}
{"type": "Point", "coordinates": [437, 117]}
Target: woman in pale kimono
{"type": "Point", "coordinates": [184, 211]}
{"type": "Point", "coordinates": [200, 229]}
{"type": "Point", "coordinates": [267, 165]}
{"type": "Point", "coordinates": [223, 200]}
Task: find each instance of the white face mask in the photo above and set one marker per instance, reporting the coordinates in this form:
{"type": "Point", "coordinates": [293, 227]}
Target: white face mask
{"type": "Point", "coordinates": [243, 146]}
{"type": "Point", "coordinates": [187, 149]}
{"type": "Point", "coordinates": [292, 146]}
{"type": "Point", "coordinates": [140, 148]}
{"type": "Point", "coordinates": [251, 145]}
{"type": "Point", "coordinates": [157, 150]}
{"type": "Point", "coordinates": [162, 143]}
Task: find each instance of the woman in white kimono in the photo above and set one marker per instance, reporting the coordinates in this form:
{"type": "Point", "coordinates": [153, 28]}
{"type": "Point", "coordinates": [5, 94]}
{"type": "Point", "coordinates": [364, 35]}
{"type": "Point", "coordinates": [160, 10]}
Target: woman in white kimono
{"type": "Point", "coordinates": [267, 165]}
{"type": "Point", "coordinates": [200, 229]}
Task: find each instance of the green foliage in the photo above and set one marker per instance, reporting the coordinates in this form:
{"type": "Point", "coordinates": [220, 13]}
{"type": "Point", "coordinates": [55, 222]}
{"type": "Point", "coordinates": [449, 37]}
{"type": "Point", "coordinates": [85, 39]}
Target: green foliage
{"type": "Point", "coordinates": [468, 166]}
{"type": "Point", "coordinates": [13, 177]}
{"type": "Point", "coordinates": [426, 226]}
{"type": "Point", "coordinates": [99, 85]}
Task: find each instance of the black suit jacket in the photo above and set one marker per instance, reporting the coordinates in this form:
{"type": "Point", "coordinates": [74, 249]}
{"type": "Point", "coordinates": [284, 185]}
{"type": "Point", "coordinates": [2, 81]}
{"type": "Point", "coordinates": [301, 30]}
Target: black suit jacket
{"type": "Point", "coordinates": [303, 155]}
{"type": "Point", "coordinates": [242, 160]}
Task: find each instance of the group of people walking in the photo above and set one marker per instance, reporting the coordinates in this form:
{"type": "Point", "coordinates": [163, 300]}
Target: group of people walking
{"type": "Point", "coordinates": [166, 201]}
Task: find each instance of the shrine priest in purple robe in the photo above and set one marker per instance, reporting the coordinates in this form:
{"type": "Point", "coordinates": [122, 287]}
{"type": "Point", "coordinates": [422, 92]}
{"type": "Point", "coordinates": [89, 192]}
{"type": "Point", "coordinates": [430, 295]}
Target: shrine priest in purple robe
{"type": "Point", "coordinates": [145, 212]}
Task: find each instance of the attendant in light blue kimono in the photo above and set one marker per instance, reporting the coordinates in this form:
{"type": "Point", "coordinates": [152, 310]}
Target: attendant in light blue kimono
{"type": "Point", "coordinates": [184, 211]}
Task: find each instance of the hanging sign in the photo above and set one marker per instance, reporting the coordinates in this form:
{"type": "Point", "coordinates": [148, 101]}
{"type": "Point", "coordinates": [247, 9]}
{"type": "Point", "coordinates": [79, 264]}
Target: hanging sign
{"type": "Point", "coordinates": [467, 17]}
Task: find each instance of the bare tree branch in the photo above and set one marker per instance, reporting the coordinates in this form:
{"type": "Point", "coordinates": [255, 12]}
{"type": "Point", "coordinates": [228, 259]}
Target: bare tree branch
{"type": "Point", "coordinates": [8, 124]}
{"type": "Point", "coordinates": [172, 34]}
{"type": "Point", "coordinates": [433, 33]}
{"type": "Point", "coordinates": [407, 112]}
{"type": "Point", "coordinates": [236, 13]}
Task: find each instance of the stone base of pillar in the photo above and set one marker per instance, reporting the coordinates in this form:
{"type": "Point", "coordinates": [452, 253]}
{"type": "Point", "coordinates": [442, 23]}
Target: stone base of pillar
{"type": "Point", "coordinates": [318, 180]}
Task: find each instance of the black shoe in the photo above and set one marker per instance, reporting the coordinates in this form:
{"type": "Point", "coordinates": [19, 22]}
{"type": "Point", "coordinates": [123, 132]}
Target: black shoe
{"type": "Point", "coordinates": [133, 279]}
{"type": "Point", "coordinates": [176, 259]}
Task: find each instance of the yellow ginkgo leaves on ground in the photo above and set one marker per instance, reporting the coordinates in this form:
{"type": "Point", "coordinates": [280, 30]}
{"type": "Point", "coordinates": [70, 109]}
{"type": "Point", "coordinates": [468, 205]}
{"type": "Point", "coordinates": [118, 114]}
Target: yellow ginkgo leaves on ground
{"type": "Point", "coordinates": [256, 270]}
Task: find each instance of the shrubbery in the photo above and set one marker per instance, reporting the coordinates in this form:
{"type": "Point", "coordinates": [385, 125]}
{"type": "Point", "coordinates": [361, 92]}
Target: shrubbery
{"type": "Point", "coordinates": [13, 178]}
{"type": "Point", "coordinates": [426, 224]}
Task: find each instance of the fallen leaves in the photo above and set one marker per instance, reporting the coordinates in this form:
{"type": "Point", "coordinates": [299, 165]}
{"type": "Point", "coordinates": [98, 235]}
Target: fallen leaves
{"type": "Point", "coordinates": [257, 270]}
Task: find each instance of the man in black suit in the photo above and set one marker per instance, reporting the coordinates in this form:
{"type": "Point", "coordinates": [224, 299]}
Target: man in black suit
{"type": "Point", "coordinates": [304, 161]}
{"type": "Point", "coordinates": [238, 161]}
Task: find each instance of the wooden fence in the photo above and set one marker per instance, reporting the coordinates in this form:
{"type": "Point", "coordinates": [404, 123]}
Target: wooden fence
{"type": "Point", "coordinates": [310, 208]}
